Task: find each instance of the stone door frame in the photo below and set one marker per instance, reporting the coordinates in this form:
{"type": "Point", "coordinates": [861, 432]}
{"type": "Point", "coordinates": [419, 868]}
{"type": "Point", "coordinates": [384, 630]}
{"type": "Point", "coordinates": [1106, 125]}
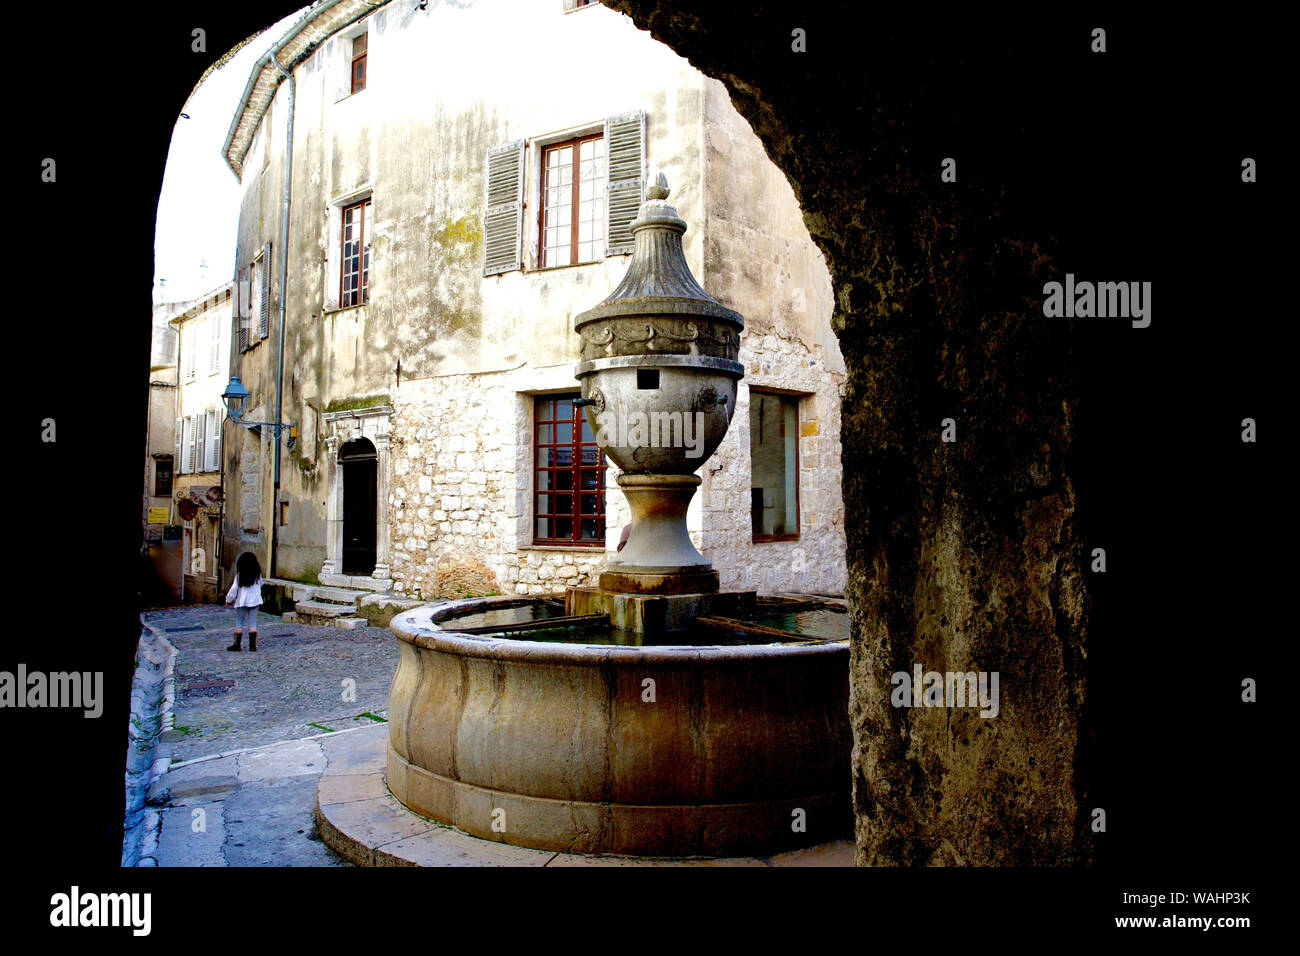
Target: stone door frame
{"type": "Point", "coordinates": [342, 427]}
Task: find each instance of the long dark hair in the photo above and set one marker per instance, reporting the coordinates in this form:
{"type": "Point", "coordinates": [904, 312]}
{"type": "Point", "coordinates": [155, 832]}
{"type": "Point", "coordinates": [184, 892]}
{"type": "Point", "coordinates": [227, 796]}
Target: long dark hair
{"type": "Point", "coordinates": [248, 568]}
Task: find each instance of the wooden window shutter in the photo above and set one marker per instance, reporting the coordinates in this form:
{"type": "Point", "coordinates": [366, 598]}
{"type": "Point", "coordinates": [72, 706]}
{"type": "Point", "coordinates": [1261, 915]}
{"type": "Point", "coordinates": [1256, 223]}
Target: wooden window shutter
{"type": "Point", "coordinates": [504, 217]}
{"type": "Point", "coordinates": [180, 439]}
{"type": "Point", "coordinates": [264, 320]}
{"type": "Point", "coordinates": [187, 453]}
{"type": "Point", "coordinates": [214, 347]}
{"type": "Point", "coordinates": [200, 441]}
{"type": "Point", "coordinates": [241, 308]}
{"type": "Point", "coordinates": [214, 437]}
{"type": "Point", "coordinates": [625, 169]}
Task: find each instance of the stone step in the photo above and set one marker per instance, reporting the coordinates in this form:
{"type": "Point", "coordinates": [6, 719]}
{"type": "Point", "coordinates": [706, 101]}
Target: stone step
{"type": "Point", "coordinates": [330, 595]}
{"type": "Point", "coordinates": [322, 611]}
{"type": "Point", "coordinates": [350, 623]}
{"type": "Point", "coordinates": [363, 582]}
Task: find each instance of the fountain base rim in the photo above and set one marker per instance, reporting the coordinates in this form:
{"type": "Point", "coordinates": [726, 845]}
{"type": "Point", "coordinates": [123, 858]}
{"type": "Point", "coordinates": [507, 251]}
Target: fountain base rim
{"type": "Point", "coordinates": [638, 579]}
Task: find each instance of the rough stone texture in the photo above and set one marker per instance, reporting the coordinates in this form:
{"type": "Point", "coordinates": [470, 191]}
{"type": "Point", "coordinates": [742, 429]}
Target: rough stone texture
{"type": "Point", "coordinates": [962, 556]}
{"type": "Point", "coordinates": [460, 487]}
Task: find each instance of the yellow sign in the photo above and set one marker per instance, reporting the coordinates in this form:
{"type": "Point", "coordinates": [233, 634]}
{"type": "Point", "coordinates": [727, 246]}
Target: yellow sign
{"type": "Point", "coordinates": [158, 515]}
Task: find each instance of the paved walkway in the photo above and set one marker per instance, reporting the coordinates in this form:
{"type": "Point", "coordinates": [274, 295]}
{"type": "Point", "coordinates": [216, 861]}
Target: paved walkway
{"type": "Point", "coordinates": [301, 681]}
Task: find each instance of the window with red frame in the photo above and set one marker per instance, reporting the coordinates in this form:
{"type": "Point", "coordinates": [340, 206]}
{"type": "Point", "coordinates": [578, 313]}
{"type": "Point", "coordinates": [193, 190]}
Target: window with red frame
{"type": "Point", "coordinates": [573, 201]}
{"type": "Point", "coordinates": [355, 285]}
{"type": "Point", "coordinates": [569, 476]}
{"type": "Point", "coordinates": [359, 63]}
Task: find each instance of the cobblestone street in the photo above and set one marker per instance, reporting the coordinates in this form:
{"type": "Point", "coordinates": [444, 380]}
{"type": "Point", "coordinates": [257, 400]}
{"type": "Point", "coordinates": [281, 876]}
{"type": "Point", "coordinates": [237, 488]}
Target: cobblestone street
{"type": "Point", "coordinates": [254, 808]}
{"type": "Point", "coordinates": [301, 681]}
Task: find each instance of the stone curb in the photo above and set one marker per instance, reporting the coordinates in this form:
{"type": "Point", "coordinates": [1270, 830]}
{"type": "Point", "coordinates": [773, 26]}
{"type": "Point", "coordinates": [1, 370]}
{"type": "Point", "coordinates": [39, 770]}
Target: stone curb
{"type": "Point", "coordinates": [155, 711]}
{"type": "Point", "coordinates": [279, 743]}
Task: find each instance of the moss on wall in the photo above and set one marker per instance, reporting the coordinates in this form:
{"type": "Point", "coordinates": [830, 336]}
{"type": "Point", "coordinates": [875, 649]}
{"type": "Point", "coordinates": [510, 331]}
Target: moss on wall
{"type": "Point", "coordinates": [354, 404]}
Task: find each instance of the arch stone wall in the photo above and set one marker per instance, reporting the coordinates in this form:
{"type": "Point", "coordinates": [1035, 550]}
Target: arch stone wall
{"type": "Point", "coordinates": [961, 556]}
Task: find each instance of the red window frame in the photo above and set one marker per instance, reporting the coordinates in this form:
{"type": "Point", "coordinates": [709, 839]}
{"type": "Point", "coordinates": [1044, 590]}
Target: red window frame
{"type": "Point", "coordinates": [575, 182]}
{"type": "Point", "coordinates": [569, 472]}
{"type": "Point", "coordinates": [358, 74]}
{"type": "Point", "coordinates": [355, 253]}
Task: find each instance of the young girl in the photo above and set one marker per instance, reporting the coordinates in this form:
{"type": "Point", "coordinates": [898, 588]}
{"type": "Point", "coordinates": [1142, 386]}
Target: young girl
{"type": "Point", "coordinates": [245, 596]}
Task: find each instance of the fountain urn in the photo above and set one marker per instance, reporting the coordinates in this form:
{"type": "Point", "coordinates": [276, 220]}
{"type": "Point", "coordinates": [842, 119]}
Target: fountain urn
{"type": "Point", "coordinates": [659, 374]}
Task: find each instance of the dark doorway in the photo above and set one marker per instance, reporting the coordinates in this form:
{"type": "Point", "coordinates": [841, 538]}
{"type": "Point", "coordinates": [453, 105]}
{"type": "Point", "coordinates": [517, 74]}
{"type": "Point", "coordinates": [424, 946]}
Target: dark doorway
{"type": "Point", "coordinates": [360, 470]}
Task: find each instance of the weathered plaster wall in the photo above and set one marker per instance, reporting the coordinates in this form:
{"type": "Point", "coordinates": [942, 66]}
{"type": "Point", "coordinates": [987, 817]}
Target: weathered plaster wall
{"type": "Point", "coordinates": [444, 341]}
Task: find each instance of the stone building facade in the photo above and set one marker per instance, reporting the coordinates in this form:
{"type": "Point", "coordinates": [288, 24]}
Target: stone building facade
{"type": "Point", "coordinates": [203, 339]}
{"type": "Point", "coordinates": [446, 166]}
{"type": "Point", "coordinates": [162, 540]}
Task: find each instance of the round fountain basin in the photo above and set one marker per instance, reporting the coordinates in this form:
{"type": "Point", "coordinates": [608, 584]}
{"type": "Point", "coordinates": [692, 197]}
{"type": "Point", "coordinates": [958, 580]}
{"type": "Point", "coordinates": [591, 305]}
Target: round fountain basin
{"type": "Point", "coordinates": [668, 750]}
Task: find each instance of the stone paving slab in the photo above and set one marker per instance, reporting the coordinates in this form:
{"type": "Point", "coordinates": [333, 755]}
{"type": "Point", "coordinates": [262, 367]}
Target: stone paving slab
{"type": "Point", "coordinates": [289, 760]}
{"type": "Point", "coordinates": [195, 838]}
{"type": "Point", "coordinates": [256, 805]}
{"type": "Point", "coordinates": [356, 752]}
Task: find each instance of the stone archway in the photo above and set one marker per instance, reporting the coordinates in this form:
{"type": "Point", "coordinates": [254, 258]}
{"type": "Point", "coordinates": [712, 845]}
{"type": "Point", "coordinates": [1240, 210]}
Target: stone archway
{"type": "Point", "coordinates": [961, 556]}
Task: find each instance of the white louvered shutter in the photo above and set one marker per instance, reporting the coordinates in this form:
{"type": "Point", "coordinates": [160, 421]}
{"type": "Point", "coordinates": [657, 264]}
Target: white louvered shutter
{"type": "Point", "coordinates": [264, 293]}
{"type": "Point", "coordinates": [200, 441]}
{"type": "Point", "coordinates": [625, 169]}
{"type": "Point", "coordinates": [187, 354]}
{"type": "Point", "coordinates": [180, 439]}
{"type": "Point", "coordinates": [244, 294]}
{"type": "Point", "coordinates": [187, 459]}
{"type": "Point", "coordinates": [214, 439]}
{"type": "Point", "coordinates": [504, 216]}
{"type": "Point", "coordinates": [214, 346]}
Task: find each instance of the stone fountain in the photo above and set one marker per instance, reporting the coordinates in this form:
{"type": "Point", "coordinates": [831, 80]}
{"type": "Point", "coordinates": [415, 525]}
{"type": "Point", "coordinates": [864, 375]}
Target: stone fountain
{"type": "Point", "coordinates": [672, 746]}
{"type": "Point", "coordinates": [659, 372]}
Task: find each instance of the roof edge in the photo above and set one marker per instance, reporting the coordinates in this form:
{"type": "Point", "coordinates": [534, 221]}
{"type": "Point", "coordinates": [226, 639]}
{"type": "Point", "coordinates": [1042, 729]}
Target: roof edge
{"type": "Point", "coordinates": [235, 148]}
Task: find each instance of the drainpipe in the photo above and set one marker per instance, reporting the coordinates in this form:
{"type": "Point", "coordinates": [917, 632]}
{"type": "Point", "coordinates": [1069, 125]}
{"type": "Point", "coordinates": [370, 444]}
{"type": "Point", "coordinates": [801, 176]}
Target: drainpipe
{"type": "Point", "coordinates": [284, 304]}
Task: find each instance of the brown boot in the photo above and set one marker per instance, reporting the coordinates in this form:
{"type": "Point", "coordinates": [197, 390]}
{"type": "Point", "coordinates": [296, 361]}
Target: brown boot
{"type": "Point", "coordinates": [235, 646]}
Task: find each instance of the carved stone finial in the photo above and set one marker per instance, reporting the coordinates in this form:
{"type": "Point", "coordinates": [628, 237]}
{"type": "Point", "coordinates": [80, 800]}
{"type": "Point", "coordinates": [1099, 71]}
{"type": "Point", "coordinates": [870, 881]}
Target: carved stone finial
{"type": "Point", "coordinates": [658, 187]}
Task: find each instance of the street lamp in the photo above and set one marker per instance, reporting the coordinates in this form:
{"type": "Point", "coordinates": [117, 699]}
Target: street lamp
{"type": "Point", "coordinates": [235, 396]}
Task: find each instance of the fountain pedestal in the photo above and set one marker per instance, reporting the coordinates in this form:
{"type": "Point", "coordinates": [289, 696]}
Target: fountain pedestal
{"type": "Point", "coordinates": [659, 557]}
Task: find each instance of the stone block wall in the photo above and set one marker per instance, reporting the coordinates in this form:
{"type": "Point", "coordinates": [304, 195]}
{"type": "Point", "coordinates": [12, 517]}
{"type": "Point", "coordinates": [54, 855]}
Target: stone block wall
{"type": "Point", "coordinates": [461, 485]}
{"type": "Point", "coordinates": [815, 561]}
{"type": "Point", "coordinates": [460, 489]}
